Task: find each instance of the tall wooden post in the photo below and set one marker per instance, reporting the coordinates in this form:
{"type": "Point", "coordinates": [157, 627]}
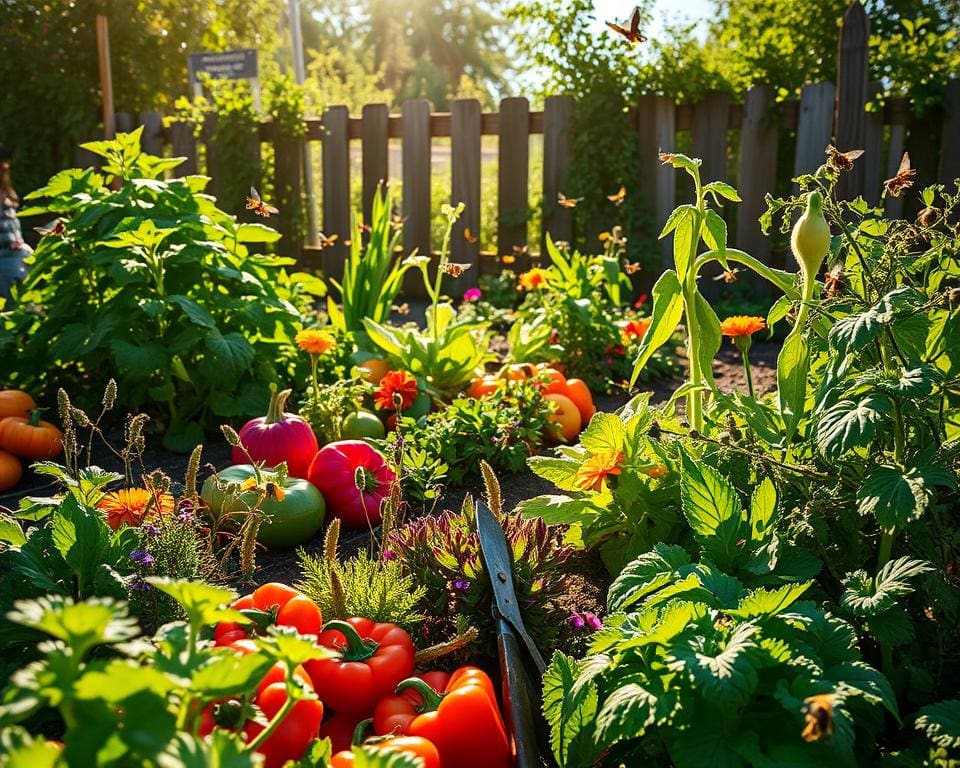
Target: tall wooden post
{"type": "Point", "coordinates": [106, 78]}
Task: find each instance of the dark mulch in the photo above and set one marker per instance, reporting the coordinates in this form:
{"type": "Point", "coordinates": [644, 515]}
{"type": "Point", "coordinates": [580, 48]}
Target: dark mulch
{"type": "Point", "coordinates": [588, 583]}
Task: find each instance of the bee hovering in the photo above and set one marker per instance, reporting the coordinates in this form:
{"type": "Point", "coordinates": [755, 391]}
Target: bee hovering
{"type": "Point", "coordinates": [818, 712]}
{"type": "Point", "coordinates": [618, 197]}
{"type": "Point", "coordinates": [260, 208]}
{"type": "Point", "coordinates": [55, 228]}
{"type": "Point", "coordinates": [568, 202]}
{"type": "Point", "coordinates": [632, 31]}
{"type": "Point", "coordinates": [454, 269]}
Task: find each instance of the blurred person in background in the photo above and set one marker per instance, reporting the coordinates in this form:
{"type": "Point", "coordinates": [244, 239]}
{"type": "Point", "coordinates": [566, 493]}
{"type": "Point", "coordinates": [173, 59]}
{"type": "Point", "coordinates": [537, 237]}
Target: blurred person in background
{"type": "Point", "coordinates": [13, 250]}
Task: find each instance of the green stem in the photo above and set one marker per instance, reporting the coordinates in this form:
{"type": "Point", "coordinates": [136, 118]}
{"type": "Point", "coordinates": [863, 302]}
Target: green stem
{"type": "Point", "coordinates": [694, 398]}
{"type": "Point", "coordinates": [356, 649]}
{"type": "Point", "coordinates": [277, 718]}
{"type": "Point", "coordinates": [431, 699]}
{"type": "Point", "coordinates": [314, 359]}
{"type": "Point", "coordinates": [745, 355]}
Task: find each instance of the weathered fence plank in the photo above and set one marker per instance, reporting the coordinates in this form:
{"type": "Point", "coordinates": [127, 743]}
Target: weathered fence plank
{"type": "Point", "coordinates": [513, 181]}
{"type": "Point", "coordinates": [465, 186]}
{"type": "Point", "coordinates": [757, 170]}
{"type": "Point", "coordinates": [895, 204]}
{"type": "Point", "coordinates": [152, 138]}
{"type": "Point", "coordinates": [950, 138]}
{"type": "Point", "coordinates": [416, 186]}
{"type": "Point", "coordinates": [852, 76]}
{"type": "Point", "coordinates": [557, 220]}
{"type": "Point", "coordinates": [288, 193]}
{"type": "Point", "coordinates": [656, 131]}
{"type": "Point", "coordinates": [184, 144]}
{"type": "Point", "coordinates": [123, 122]}
{"type": "Point", "coordinates": [873, 165]}
{"type": "Point", "coordinates": [374, 141]}
{"type": "Point", "coordinates": [814, 126]}
{"type": "Point", "coordinates": [336, 189]}
{"type": "Point", "coordinates": [709, 128]}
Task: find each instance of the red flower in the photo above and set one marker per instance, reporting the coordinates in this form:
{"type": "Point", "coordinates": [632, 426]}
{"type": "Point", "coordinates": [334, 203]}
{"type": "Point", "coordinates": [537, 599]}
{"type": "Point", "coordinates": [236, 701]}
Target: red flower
{"type": "Point", "coordinates": [396, 383]}
{"type": "Point", "coordinates": [635, 329]}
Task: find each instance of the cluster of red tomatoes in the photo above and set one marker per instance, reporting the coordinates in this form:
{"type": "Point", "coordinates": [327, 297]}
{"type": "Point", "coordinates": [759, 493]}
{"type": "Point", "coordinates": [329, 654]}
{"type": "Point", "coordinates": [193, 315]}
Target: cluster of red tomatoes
{"type": "Point", "coordinates": [571, 398]}
{"type": "Point", "coordinates": [365, 692]}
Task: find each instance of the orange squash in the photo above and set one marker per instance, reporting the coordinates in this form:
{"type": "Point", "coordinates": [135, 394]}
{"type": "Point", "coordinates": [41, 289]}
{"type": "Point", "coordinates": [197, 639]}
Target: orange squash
{"type": "Point", "coordinates": [566, 416]}
{"type": "Point", "coordinates": [578, 391]}
{"type": "Point", "coordinates": [30, 438]}
{"type": "Point", "coordinates": [374, 370]}
{"type": "Point", "coordinates": [10, 471]}
{"type": "Point", "coordinates": [13, 402]}
{"type": "Point", "coordinates": [484, 386]}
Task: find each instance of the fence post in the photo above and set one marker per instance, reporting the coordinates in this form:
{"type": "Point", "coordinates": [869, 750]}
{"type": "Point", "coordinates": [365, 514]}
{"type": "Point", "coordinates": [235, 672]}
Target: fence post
{"type": "Point", "coordinates": [374, 140]}
{"type": "Point", "coordinates": [123, 122]}
{"type": "Point", "coordinates": [852, 95]}
{"type": "Point", "coordinates": [950, 138]}
{"type": "Point", "coordinates": [465, 185]}
{"type": "Point", "coordinates": [657, 130]}
{"type": "Point", "coordinates": [211, 160]}
{"type": "Point", "coordinates": [814, 127]}
{"type": "Point", "coordinates": [873, 165]}
{"type": "Point", "coordinates": [184, 144]}
{"type": "Point", "coordinates": [557, 220]}
{"type": "Point", "coordinates": [757, 170]}
{"type": "Point", "coordinates": [709, 128]}
{"type": "Point", "coordinates": [152, 139]}
{"type": "Point", "coordinates": [415, 127]}
{"type": "Point", "coordinates": [336, 188]}
{"type": "Point", "coordinates": [513, 184]}
{"type": "Point", "coordinates": [288, 191]}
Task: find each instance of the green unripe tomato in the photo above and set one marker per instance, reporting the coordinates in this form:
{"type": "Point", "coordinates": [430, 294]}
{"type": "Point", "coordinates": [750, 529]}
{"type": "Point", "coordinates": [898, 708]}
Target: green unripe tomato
{"type": "Point", "coordinates": [362, 424]}
{"type": "Point", "coordinates": [811, 237]}
{"type": "Point", "coordinates": [288, 522]}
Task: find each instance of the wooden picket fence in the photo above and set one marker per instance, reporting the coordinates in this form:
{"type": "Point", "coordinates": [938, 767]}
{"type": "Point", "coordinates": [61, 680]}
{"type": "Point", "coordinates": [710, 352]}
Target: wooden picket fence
{"type": "Point", "coordinates": [825, 113]}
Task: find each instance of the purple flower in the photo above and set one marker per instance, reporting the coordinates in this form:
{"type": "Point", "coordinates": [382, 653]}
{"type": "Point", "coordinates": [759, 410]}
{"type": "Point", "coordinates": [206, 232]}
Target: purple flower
{"type": "Point", "coordinates": [389, 554]}
{"type": "Point", "coordinates": [185, 516]}
{"type": "Point", "coordinates": [593, 621]}
{"type": "Point", "coordinates": [142, 557]}
{"type": "Point", "coordinates": [149, 529]}
{"type": "Point", "coordinates": [576, 621]}
{"type": "Point", "coordinates": [461, 585]}
{"type": "Point", "coordinates": [472, 294]}
{"type": "Point", "coordinates": [139, 585]}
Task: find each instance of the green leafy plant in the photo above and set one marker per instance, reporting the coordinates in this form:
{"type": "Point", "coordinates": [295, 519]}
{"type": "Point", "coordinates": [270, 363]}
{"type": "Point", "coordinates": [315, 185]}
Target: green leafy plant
{"type": "Point", "coordinates": [447, 353]}
{"type": "Point", "coordinates": [151, 280]}
{"type": "Point", "coordinates": [371, 586]}
{"type": "Point", "coordinates": [502, 429]}
{"type": "Point", "coordinates": [372, 276]}
{"type": "Point", "coordinates": [442, 553]}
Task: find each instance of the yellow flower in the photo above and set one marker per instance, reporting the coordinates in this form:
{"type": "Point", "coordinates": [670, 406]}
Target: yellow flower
{"type": "Point", "coordinates": [534, 278]}
{"type": "Point", "coordinates": [742, 325]}
{"type": "Point", "coordinates": [315, 342]}
{"type": "Point", "coordinates": [131, 506]}
{"type": "Point", "coordinates": [594, 471]}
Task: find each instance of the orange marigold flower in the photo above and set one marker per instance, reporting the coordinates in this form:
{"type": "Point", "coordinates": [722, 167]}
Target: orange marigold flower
{"type": "Point", "coordinates": [134, 505]}
{"type": "Point", "coordinates": [742, 325]}
{"type": "Point", "coordinates": [533, 278]}
{"type": "Point", "coordinates": [594, 471]}
{"type": "Point", "coordinates": [396, 383]}
{"type": "Point", "coordinates": [635, 329]}
{"type": "Point", "coordinates": [315, 341]}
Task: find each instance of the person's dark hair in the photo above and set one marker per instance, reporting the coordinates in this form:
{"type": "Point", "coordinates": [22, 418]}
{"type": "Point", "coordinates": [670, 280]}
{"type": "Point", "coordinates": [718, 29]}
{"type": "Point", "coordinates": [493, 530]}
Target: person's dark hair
{"type": "Point", "coordinates": [5, 153]}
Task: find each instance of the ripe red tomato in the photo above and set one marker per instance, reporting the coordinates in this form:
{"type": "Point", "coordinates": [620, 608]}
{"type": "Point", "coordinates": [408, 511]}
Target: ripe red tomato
{"type": "Point", "coordinates": [272, 594]}
{"type": "Point", "coordinates": [292, 737]}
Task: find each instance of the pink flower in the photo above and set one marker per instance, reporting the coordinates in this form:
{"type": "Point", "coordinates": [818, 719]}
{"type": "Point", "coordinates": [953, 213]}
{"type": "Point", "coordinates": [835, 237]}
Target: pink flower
{"type": "Point", "coordinates": [472, 294]}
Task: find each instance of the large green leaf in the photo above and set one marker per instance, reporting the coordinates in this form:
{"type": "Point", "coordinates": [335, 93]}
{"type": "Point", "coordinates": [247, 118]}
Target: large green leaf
{"type": "Point", "coordinates": [230, 355]}
{"type": "Point", "coordinates": [605, 432]}
{"type": "Point", "coordinates": [562, 472]}
{"type": "Point", "coordinates": [708, 325]}
{"type": "Point", "coordinates": [714, 512]}
{"type": "Point", "coordinates": [895, 496]}
{"type": "Point", "coordinates": [728, 676]}
{"type": "Point", "coordinates": [556, 509]}
{"type": "Point", "coordinates": [866, 596]}
{"type": "Point", "coordinates": [138, 361]}
{"type": "Point", "coordinates": [792, 366]}
{"type": "Point", "coordinates": [763, 511]}
{"type": "Point", "coordinates": [849, 424]}
{"type": "Point", "coordinates": [626, 714]}
{"type": "Point", "coordinates": [197, 314]}
{"type": "Point", "coordinates": [940, 723]}
{"type": "Point", "coordinates": [764, 602]}
{"type": "Point", "coordinates": [256, 233]}
{"type": "Point", "coordinates": [82, 538]}
{"type": "Point", "coordinates": [667, 312]}
{"type": "Point", "coordinates": [645, 575]}
{"type": "Point", "coordinates": [570, 713]}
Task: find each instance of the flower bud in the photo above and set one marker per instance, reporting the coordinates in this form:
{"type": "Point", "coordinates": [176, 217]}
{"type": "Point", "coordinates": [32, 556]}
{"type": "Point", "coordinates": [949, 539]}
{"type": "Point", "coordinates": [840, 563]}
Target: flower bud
{"type": "Point", "coordinates": [811, 237]}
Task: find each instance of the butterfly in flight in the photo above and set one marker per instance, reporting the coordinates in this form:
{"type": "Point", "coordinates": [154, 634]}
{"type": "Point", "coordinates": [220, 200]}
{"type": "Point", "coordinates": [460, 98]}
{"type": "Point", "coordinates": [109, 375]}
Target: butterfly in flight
{"type": "Point", "coordinates": [323, 241]}
{"type": "Point", "coordinates": [619, 197]}
{"type": "Point", "coordinates": [256, 204]}
{"type": "Point", "coordinates": [728, 275]}
{"type": "Point", "coordinates": [56, 228]}
{"type": "Point", "coordinates": [631, 268]}
{"type": "Point", "coordinates": [631, 32]}
{"type": "Point", "coordinates": [568, 202]}
{"type": "Point", "coordinates": [469, 236]}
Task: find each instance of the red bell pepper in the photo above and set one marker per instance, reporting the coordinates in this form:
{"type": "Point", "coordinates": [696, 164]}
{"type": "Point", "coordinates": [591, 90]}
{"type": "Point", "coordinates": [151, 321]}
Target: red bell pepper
{"type": "Point", "coordinates": [462, 721]}
{"type": "Point", "coordinates": [372, 659]}
{"type": "Point", "coordinates": [408, 745]}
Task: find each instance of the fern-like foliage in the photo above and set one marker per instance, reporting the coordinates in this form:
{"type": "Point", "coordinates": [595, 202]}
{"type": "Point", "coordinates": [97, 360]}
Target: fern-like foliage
{"type": "Point", "coordinates": [374, 588]}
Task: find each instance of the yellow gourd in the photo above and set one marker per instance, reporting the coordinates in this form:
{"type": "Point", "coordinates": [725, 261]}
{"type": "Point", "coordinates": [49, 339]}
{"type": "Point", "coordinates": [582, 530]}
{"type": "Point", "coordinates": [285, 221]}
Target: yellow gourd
{"type": "Point", "coordinates": [811, 237]}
